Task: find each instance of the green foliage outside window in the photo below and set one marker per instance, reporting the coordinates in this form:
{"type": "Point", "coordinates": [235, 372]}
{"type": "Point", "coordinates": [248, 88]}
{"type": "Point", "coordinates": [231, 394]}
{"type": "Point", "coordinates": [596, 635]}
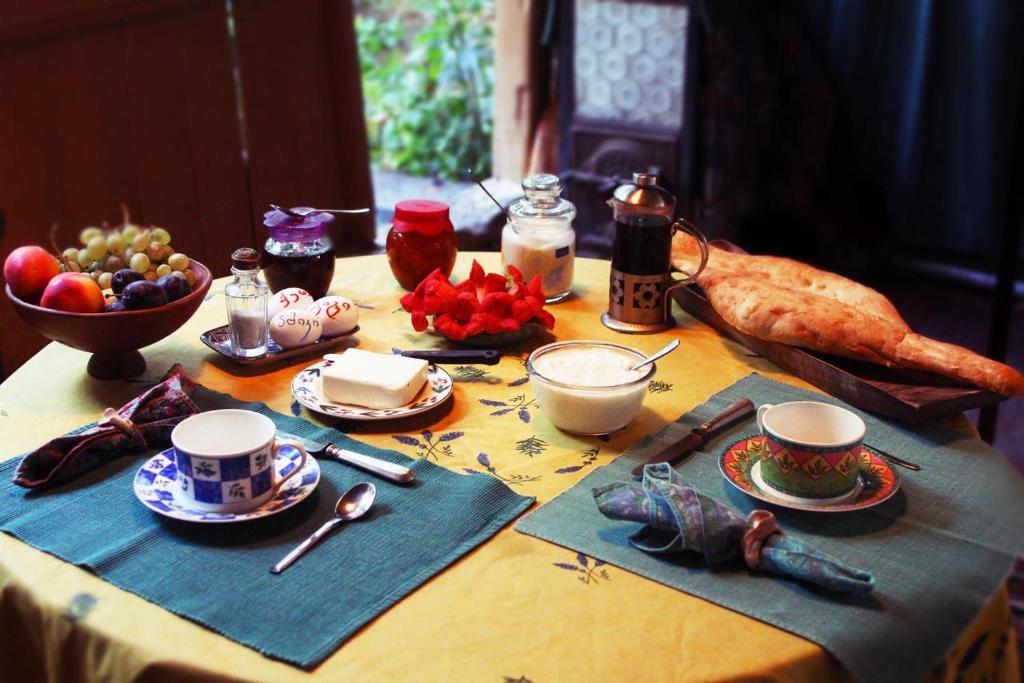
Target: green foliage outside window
{"type": "Point", "coordinates": [428, 83]}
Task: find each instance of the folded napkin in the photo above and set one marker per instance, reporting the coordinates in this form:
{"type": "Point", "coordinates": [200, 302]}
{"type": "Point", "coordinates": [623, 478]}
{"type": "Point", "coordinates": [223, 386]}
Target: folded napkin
{"type": "Point", "coordinates": [679, 518]}
{"type": "Point", "coordinates": [144, 422]}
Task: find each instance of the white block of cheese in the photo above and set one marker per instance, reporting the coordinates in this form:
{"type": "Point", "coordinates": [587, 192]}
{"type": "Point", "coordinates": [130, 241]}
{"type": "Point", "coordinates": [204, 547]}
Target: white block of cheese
{"type": "Point", "coordinates": [373, 380]}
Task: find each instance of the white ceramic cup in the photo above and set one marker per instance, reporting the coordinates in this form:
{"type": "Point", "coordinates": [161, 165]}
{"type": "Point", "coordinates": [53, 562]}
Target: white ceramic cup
{"type": "Point", "coordinates": [225, 460]}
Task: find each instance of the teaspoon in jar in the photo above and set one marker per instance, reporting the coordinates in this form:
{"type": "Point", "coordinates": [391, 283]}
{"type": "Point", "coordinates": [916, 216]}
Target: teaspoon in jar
{"type": "Point", "coordinates": [296, 214]}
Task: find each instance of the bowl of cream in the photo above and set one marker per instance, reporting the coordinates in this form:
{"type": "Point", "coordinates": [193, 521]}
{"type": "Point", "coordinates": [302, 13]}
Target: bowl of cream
{"type": "Point", "coordinates": [587, 387]}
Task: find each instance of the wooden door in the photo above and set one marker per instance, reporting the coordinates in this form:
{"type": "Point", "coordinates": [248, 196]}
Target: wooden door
{"type": "Point", "coordinates": [111, 101]}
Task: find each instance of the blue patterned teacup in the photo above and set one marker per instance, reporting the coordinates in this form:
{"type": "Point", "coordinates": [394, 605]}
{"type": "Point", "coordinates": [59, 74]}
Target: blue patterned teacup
{"type": "Point", "coordinates": [225, 460]}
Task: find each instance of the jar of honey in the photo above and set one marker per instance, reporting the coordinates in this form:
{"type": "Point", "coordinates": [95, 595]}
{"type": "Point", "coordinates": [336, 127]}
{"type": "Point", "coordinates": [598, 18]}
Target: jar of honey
{"type": "Point", "coordinates": [421, 240]}
{"type": "Point", "coordinates": [299, 252]}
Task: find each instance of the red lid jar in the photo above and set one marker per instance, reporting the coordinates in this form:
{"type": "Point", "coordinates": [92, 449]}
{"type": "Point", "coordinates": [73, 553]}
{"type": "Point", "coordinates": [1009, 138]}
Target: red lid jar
{"type": "Point", "coordinates": [421, 240]}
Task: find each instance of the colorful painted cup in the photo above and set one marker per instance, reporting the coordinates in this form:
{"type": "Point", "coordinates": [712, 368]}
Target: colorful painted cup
{"type": "Point", "coordinates": [225, 460]}
{"type": "Point", "coordinates": [812, 449]}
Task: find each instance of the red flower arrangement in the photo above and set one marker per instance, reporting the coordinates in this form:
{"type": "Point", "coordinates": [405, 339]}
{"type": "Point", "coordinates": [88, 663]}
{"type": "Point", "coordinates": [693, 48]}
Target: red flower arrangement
{"type": "Point", "coordinates": [486, 303]}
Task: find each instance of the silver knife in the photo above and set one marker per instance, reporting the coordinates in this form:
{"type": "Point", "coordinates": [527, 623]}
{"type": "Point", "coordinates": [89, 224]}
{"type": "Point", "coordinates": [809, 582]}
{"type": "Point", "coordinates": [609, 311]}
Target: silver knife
{"type": "Point", "coordinates": [367, 463]}
{"type": "Point", "coordinates": [461, 356]}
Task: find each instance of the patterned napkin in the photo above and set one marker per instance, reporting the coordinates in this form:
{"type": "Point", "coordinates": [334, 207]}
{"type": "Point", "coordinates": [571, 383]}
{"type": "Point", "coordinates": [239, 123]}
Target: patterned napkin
{"type": "Point", "coordinates": [144, 422]}
{"type": "Point", "coordinates": [679, 519]}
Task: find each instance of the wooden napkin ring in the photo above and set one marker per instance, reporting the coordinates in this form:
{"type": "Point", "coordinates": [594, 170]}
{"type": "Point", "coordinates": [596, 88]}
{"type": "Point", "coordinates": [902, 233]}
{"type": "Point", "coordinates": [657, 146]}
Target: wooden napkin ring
{"type": "Point", "coordinates": [762, 525]}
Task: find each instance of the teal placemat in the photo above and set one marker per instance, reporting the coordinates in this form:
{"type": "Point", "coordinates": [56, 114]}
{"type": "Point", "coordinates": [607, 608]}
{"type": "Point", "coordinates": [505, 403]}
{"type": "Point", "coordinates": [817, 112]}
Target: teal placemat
{"type": "Point", "coordinates": [939, 549]}
{"type": "Point", "coordinates": [218, 575]}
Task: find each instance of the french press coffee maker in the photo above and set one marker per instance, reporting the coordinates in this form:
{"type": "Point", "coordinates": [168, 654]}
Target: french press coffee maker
{"type": "Point", "coordinates": [641, 279]}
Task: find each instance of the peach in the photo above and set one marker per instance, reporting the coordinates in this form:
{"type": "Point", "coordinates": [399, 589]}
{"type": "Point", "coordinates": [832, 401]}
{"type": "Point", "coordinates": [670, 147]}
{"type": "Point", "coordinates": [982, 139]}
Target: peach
{"type": "Point", "coordinates": [73, 292]}
{"type": "Point", "coordinates": [28, 269]}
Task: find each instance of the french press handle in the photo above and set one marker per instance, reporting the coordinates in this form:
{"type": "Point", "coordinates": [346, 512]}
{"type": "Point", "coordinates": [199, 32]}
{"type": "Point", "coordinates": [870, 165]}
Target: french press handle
{"type": "Point", "coordinates": [683, 225]}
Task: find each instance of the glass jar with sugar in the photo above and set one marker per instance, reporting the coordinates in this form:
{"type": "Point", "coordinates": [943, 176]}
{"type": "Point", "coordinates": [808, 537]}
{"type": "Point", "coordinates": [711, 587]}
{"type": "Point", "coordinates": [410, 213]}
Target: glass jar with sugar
{"type": "Point", "coordinates": [538, 238]}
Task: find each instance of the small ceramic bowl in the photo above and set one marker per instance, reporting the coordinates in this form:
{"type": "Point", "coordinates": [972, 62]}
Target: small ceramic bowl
{"type": "Point", "coordinates": [573, 403]}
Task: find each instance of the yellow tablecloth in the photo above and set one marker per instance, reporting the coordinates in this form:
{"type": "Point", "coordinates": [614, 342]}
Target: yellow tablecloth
{"type": "Point", "coordinates": [505, 611]}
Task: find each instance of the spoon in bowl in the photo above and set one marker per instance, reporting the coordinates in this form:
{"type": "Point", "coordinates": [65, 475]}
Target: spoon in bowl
{"type": "Point", "coordinates": [353, 505]}
{"type": "Point", "coordinates": [296, 214]}
{"type": "Point", "coordinates": [663, 351]}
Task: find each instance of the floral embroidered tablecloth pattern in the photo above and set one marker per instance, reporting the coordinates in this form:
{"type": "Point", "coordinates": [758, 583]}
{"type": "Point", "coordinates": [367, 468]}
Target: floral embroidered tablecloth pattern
{"type": "Point", "coordinates": [516, 608]}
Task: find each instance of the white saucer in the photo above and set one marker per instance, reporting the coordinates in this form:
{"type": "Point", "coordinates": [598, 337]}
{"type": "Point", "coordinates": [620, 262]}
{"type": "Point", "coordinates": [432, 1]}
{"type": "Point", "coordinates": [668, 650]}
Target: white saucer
{"type": "Point", "coordinates": [155, 486]}
{"type": "Point", "coordinates": [765, 487]}
{"type": "Point", "coordinates": [307, 388]}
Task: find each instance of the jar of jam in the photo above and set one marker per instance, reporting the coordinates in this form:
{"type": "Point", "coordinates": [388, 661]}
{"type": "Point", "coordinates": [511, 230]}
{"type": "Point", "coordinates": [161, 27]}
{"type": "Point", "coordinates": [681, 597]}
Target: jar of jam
{"type": "Point", "coordinates": [299, 252]}
{"type": "Point", "coordinates": [421, 240]}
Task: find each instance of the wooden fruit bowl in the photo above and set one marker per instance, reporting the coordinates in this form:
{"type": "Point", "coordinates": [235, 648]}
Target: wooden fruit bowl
{"type": "Point", "coordinates": [115, 338]}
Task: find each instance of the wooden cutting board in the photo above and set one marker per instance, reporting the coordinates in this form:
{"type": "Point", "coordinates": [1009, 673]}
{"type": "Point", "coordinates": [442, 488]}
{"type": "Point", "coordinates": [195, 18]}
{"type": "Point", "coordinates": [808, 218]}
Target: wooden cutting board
{"type": "Point", "coordinates": [907, 395]}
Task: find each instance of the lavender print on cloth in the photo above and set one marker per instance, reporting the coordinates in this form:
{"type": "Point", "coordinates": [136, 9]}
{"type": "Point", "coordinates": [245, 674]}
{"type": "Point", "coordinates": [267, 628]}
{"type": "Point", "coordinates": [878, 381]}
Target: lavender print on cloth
{"type": "Point", "coordinates": [680, 519]}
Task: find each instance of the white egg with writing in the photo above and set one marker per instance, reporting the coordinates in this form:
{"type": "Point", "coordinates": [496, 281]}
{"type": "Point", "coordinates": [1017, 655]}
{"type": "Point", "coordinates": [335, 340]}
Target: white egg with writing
{"type": "Point", "coordinates": [287, 299]}
{"type": "Point", "coordinates": [295, 327]}
{"type": "Point", "coordinates": [337, 315]}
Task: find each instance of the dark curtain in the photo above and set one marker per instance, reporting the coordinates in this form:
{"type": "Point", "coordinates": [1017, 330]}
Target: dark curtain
{"type": "Point", "coordinates": [928, 94]}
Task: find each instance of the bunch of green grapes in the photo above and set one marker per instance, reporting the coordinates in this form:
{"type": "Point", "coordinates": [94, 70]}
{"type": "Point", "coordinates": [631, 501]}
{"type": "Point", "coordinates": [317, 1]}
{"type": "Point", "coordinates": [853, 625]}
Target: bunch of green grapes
{"type": "Point", "coordinates": [144, 250]}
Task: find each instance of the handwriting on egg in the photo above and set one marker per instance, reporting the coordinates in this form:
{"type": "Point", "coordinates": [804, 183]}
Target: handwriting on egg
{"type": "Point", "coordinates": [292, 296]}
{"type": "Point", "coordinates": [293, 319]}
{"type": "Point", "coordinates": [334, 309]}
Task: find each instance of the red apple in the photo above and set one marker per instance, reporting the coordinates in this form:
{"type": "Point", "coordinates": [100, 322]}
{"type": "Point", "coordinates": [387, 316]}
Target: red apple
{"type": "Point", "coordinates": [73, 292]}
{"type": "Point", "coordinates": [28, 269]}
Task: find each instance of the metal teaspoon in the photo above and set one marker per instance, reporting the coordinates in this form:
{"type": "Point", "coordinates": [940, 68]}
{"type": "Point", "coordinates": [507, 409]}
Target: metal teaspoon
{"type": "Point", "coordinates": [296, 214]}
{"type": "Point", "coordinates": [353, 505]}
{"type": "Point", "coordinates": [663, 351]}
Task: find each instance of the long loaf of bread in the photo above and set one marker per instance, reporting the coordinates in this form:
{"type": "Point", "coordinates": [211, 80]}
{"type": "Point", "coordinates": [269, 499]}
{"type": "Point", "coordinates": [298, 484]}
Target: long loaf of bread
{"type": "Point", "coordinates": [792, 303]}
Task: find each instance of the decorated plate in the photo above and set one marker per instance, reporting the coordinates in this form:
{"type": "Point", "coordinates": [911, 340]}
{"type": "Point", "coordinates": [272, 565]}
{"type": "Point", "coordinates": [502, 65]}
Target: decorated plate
{"type": "Point", "coordinates": [219, 339]}
{"type": "Point", "coordinates": [307, 388]}
{"type": "Point", "coordinates": [155, 487]}
{"type": "Point", "coordinates": [740, 464]}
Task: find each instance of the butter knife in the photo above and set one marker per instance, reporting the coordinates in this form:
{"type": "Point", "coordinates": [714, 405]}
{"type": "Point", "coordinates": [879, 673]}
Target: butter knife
{"type": "Point", "coordinates": [367, 463]}
{"type": "Point", "coordinates": [700, 435]}
{"type": "Point", "coordinates": [461, 356]}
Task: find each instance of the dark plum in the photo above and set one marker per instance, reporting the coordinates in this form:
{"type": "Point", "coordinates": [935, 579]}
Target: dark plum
{"type": "Point", "coordinates": [175, 285]}
{"type": "Point", "coordinates": [143, 294]}
{"type": "Point", "coordinates": [124, 277]}
{"type": "Point", "coordinates": [114, 306]}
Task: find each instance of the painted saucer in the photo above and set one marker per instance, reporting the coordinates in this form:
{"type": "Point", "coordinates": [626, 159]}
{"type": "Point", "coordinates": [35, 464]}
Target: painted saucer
{"type": "Point", "coordinates": [740, 464]}
{"type": "Point", "coordinates": [155, 487]}
{"type": "Point", "coordinates": [307, 388]}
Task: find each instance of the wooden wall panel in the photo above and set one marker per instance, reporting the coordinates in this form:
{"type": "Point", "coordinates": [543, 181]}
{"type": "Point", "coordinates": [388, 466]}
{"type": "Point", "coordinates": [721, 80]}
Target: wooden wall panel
{"type": "Point", "coordinates": [134, 101]}
{"type": "Point", "coordinates": [304, 111]}
{"type": "Point", "coordinates": [26, 23]}
{"type": "Point", "coordinates": [136, 111]}
{"type": "Point", "coordinates": [186, 135]}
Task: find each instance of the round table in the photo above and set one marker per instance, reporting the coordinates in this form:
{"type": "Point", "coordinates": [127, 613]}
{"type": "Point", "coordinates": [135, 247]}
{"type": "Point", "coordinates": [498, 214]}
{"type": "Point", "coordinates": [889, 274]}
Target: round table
{"type": "Point", "coordinates": [503, 612]}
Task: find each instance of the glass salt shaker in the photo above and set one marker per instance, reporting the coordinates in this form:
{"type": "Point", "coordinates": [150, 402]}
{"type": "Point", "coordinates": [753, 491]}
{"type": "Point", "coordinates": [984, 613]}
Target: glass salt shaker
{"type": "Point", "coordinates": [538, 238]}
{"type": "Point", "coordinates": [247, 298]}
